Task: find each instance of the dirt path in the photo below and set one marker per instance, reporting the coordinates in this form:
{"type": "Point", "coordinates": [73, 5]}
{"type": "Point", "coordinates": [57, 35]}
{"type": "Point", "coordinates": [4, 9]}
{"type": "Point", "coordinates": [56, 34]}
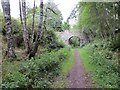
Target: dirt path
{"type": "Point", "coordinates": [78, 78]}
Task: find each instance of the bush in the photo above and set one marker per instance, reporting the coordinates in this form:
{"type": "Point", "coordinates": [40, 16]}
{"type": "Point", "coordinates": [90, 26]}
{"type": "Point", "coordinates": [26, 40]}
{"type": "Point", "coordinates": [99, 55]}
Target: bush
{"type": "Point", "coordinates": [37, 73]}
{"type": "Point", "coordinates": [106, 72]}
{"type": "Point", "coordinates": [13, 80]}
{"type": "Point", "coordinates": [50, 40]}
{"type": "Point", "coordinates": [115, 43]}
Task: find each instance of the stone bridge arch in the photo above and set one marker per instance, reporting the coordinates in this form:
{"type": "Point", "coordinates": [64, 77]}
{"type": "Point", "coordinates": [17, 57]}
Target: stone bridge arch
{"type": "Point", "coordinates": [69, 40]}
{"type": "Point", "coordinates": [67, 34]}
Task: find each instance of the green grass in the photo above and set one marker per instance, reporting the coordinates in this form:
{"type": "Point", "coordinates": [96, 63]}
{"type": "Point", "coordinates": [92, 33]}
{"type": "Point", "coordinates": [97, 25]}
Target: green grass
{"type": "Point", "coordinates": [85, 57]}
{"type": "Point", "coordinates": [67, 65]}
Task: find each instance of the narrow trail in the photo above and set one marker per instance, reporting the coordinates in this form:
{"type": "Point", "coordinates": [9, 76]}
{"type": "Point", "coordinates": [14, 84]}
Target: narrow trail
{"type": "Point", "coordinates": [78, 78]}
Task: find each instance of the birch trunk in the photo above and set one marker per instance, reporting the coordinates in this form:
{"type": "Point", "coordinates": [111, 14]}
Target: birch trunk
{"type": "Point", "coordinates": [23, 23]}
{"type": "Point", "coordinates": [33, 24]}
{"type": "Point", "coordinates": [39, 32]}
{"type": "Point", "coordinates": [8, 27]}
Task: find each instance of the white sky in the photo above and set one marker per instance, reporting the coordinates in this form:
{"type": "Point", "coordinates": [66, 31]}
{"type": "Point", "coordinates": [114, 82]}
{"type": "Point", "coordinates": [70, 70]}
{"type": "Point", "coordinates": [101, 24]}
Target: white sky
{"type": "Point", "coordinates": [65, 6]}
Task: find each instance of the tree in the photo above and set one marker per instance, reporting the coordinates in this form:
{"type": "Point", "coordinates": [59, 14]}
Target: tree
{"type": "Point", "coordinates": [23, 24]}
{"type": "Point", "coordinates": [53, 20]}
{"type": "Point", "coordinates": [97, 19]}
{"type": "Point", "coordinates": [40, 31]}
{"type": "Point", "coordinates": [66, 26]}
{"type": "Point", "coordinates": [118, 13]}
{"type": "Point", "coordinates": [1, 18]}
{"type": "Point", "coordinates": [33, 22]}
{"type": "Point", "coordinates": [37, 33]}
{"type": "Point", "coordinates": [8, 28]}
{"type": "Point", "coordinates": [54, 16]}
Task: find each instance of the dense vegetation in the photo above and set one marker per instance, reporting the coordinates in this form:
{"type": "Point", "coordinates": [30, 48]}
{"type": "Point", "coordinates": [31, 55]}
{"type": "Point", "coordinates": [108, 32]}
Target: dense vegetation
{"type": "Point", "coordinates": [36, 73]}
{"type": "Point", "coordinates": [41, 70]}
{"type": "Point", "coordinates": [100, 22]}
{"type": "Point", "coordinates": [48, 37]}
{"type": "Point", "coordinates": [102, 65]}
{"type": "Point", "coordinates": [66, 26]}
{"type": "Point", "coordinates": [33, 55]}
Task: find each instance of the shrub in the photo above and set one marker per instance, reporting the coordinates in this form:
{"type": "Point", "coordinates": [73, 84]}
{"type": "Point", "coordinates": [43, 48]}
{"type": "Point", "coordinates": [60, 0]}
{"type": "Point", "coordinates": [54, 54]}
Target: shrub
{"type": "Point", "coordinates": [50, 40]}
{"type": "Point", "coordinates": [13, 80]}
{"type": "Point", "coordinates": [107, 65]}
{"type": "Point", "coordinates": [39, 72]}
{"type": "Point", "coordinates": [115, 43]}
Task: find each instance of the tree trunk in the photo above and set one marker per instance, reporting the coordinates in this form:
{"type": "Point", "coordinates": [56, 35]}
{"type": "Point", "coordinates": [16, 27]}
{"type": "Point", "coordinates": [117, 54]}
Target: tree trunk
{"type": "Point", "coordinates": [8, 28]}
{"type": "Point", "coordinates": [45, 19]}
{"type": "Point", "coordinates": [20, 12]}
{"type": "Point", "coordinates": [23, 23]}
{"type": "Point", "coordinates": [118, 12]}
{"type": "Point", "coordinates": [33, 31]}
{"type": "Point", "coordinates": [39, 32]}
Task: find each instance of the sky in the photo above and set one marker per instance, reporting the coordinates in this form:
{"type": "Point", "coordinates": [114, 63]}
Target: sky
{"type": "Point", "coordinates": [65, 6]}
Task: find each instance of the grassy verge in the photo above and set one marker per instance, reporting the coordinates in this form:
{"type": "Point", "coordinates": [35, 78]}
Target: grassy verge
{"type": "Point", "coordinates": [85, 55]}
{"type": "Point", "coordinates": [66, 66]}
{"type": "Point", "coordinates": [102, 65]}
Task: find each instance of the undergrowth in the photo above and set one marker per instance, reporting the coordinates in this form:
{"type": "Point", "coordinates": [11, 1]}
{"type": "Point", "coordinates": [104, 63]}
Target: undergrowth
{"type": "Point", "coordinates": [101, 63]}
{"type": "Point", "coordinates": [36, 73]}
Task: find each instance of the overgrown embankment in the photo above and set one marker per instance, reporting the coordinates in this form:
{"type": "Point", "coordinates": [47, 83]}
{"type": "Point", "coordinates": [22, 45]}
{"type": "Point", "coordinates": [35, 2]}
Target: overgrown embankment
{"type": "Point", "coordinates": [102, 63]}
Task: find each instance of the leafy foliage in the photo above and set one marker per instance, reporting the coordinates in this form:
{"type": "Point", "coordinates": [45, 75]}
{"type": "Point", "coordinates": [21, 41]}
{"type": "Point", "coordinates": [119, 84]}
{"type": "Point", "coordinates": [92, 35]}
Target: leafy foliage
{"type": "Point", "coordinates": [54, 17]}
{"type": "Point", "coordinates": [66, 26]}
{"type": "Point", "coordinates": [50, 40]}
{"type": "Point", "coordinates": [99, 22]}
{"type": "Point", "coordinates": [39, 72]}
{"type": "Point", "coordinates": [115, 43]}
{"type": "Point", "coordinates": [98, 19]}
{"type": "Point", "coordinates": [103, 65]}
